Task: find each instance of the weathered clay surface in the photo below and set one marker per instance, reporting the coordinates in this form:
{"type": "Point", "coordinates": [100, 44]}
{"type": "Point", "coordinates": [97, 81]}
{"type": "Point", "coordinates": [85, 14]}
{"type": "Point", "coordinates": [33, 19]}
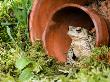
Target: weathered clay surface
{"type": "Point", "coordinates": [103, 8]}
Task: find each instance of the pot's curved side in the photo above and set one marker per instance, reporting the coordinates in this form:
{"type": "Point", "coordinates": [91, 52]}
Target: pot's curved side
{"type": "Point", "coordinates": [40, 14]}
{"type": "Point", "coordinates": [102, 31]}
{"type": "Point", "coordinates": [33, 22]}
{"type": "Point", "coordinates": [55, 39]}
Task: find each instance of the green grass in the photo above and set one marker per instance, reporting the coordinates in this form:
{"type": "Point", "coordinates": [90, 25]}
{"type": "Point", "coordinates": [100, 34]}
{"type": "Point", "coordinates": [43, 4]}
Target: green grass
{"type": "Point", "coordinates": [22, 62]}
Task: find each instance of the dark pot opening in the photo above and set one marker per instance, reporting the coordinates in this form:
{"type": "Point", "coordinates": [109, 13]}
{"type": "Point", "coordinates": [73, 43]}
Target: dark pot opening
{"type": "Point", "coordinates": [73, 16]}
{"type": "Point", "coordinates": [65, 17]}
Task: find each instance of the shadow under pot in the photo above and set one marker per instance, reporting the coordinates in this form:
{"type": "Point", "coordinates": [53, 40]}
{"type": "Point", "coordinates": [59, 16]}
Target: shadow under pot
{"type": "Point", "coordinates": [55, 39]}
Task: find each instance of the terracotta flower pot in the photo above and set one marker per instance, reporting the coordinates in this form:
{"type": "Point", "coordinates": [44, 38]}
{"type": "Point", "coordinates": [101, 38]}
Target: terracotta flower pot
{"type": "Point", "coordinates": [40, 15]}
{"type": "Point", "coordinates": [55, 38]}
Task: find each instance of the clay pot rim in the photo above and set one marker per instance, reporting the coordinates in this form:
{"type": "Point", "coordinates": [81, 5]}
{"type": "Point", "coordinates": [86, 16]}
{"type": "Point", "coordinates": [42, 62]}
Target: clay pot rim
{"type": "Point", "coordinates": [32, 13]}
{"type": "Point", "coordinates": [90, 12]}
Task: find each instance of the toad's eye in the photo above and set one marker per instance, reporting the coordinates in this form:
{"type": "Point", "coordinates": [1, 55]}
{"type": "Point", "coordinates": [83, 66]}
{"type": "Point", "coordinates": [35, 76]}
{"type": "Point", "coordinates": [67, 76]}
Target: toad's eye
{"type": "Point", "coordinates": [78, 30]}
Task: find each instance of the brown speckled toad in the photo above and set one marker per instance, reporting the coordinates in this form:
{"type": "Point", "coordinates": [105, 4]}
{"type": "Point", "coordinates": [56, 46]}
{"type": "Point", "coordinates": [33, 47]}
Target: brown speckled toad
{"type": "Point", "coordinates": [82, 42]}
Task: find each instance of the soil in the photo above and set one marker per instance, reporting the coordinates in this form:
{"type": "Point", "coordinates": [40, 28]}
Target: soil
{"type": "Point", "coordinates": [102, 7]}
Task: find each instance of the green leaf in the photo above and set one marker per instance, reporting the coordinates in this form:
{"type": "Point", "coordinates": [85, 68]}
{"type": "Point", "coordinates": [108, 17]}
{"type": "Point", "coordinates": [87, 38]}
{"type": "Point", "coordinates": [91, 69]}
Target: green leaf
{"type": "Point", "coordinates": [22, 63]}
{"type": "Point", "coordinates": [9, 33]}
{"type": "Point", "coordinates": [25, 75]}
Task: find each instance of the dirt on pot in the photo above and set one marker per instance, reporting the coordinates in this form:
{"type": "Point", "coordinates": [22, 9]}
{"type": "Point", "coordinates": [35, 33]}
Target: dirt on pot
{"type": "Point", "coordinates": [102, 7]}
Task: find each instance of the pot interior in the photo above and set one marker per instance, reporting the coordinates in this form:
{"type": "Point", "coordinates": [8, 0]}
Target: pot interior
{"type": "Point", "coordinates": [57, 40]}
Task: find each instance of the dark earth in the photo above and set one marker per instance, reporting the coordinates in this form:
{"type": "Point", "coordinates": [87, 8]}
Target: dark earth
{"type": "Point", "coordinates": [102, 7]}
